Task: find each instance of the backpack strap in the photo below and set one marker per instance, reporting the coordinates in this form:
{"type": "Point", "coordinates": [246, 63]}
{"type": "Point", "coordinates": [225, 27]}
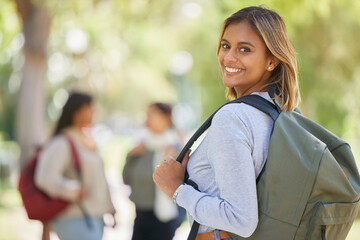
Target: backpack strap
{"type": "Point", "coordinates": [253, 100]}
{"type": "Point", "coordinates": [76, 160]}
{"type": "Point", "coordinates": [261, 104]}
{"type": "Point", "coordinates": [74, 154]}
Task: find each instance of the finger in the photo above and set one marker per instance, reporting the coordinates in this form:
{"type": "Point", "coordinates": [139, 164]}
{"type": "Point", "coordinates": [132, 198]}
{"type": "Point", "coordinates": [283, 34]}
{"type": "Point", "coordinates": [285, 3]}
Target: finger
{"type": "Point", "coordinates": [186, 158]}
{"type": "Point", "coordinates": [154, 176]}
{"type": "Point", "coordinates": [171, 161]}
{"type": "Point", "coordinates": [157, 173]}
{"type": "Point", "coordinates": [162, 162]}
{"type": "Point", "coordinates": [166, 163]}
{"type": "Point", "coordinates": [115, 222]}
{"type": "Point", "coordinates": [171, 157]}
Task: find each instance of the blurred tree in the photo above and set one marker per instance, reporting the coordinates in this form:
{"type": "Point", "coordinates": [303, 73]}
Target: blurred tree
{"type": "Point", "coordinates": [30, 113]}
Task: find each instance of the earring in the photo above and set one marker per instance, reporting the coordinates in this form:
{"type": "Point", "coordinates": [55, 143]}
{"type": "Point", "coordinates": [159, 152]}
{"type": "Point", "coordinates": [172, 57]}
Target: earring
{"type": "Point", "coordinates": [269, 67]}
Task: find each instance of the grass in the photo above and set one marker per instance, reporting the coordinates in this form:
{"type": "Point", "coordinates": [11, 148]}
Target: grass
{"type": "Point", "coordinates": [12, 216]}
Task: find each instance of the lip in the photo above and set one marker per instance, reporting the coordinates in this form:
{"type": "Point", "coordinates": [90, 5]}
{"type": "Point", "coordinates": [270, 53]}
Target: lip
{"type": "Point", "coordinates": [230, 71]}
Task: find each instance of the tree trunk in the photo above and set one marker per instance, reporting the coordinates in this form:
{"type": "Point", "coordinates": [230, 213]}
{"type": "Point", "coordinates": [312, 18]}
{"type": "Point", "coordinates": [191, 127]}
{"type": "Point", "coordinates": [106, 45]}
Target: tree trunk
{"type": "Point", "coordinates": [30, 112]}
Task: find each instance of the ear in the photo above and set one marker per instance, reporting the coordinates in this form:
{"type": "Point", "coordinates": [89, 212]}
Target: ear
{"type": "Point", "coordinates": [273, 63]}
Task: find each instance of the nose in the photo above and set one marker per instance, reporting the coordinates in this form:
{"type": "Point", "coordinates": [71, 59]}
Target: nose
{"type": "Point", "coordinates": [230, 57]}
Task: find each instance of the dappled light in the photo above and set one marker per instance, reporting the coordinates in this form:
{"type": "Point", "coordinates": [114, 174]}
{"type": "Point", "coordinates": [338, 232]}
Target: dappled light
{"type": "Point", "coordinates": [131, 53]}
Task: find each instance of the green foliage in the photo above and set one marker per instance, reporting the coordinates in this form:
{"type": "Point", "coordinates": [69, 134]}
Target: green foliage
{"type": "Point", "coordinates": [130, 44]}
{"type": "Point", "coordinates": [10, 64]}
{"type": "Point", "coordinates": [328, 54]}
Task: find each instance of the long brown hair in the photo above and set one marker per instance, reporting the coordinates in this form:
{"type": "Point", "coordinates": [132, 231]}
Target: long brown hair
{"type": "Point", "coordinates": [75, 101]}
{"type": "Point", "coordinates": [271, 28]}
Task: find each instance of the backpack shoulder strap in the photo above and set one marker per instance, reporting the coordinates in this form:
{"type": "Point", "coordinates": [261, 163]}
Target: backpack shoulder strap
{"type": "Point", "coordinates": [74, 153]}
{"type": "Point", "coordinates": [253, 100]}
{"type": "Point", "coordinates": [261, 104]}
{"type": "Point", "coordinates": [76, 160]}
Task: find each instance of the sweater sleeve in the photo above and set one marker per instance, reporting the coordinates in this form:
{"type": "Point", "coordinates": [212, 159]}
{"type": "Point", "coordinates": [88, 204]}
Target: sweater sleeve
{"type": "Point", "coordinates": [230, 156]}
{"type": "Point", "coordinates": [49, 175]}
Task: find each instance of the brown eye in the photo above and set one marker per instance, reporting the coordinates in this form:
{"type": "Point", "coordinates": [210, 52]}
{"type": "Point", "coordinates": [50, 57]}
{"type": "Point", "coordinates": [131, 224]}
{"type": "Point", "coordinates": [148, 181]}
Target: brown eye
{"type": "Point", "coordinates": [244, 49]}
{"type": "Point", "coordinates": [225, 46]}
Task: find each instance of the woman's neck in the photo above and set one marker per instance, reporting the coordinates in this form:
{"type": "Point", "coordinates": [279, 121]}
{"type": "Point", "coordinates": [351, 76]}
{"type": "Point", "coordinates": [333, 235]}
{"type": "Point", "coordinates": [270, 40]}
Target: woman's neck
{"type": "Point", "coordinates": [85, 139]}
{"type": "Point", "coordinates": [75, 130]}
{"type": "Point", "coordinates": [159, 131]}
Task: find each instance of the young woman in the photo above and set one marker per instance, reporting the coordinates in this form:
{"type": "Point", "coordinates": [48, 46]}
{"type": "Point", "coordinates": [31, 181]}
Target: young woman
{"type": "Point", "coordinates": [56, 175]}
{"type": "Point", "coordinates": [156, 215]}
{"type": "Point", "coordinates": [254, 52]}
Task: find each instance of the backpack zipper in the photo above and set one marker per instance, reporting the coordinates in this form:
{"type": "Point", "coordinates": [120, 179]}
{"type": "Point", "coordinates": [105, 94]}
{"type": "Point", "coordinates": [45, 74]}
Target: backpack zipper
{"type": "Point", "coordinates": [323, 230]}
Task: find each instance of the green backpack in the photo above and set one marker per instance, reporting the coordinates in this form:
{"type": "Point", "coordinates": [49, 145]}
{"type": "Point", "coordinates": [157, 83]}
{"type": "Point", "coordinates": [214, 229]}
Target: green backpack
{"type": "Point", "coordinates": [310, 185]}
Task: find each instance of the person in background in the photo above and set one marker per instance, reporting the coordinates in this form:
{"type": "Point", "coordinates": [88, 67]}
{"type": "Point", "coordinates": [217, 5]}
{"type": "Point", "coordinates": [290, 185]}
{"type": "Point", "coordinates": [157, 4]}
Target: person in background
{"type": "Point", "coordinates": [56, 174]}
{"type": "Point", "coordinates": [157, 217]}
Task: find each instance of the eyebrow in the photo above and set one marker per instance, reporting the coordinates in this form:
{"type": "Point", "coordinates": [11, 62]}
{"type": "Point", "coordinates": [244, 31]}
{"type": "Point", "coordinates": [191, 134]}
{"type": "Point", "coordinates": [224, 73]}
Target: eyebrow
{"type": "Point", "coordinates": [239, 43]}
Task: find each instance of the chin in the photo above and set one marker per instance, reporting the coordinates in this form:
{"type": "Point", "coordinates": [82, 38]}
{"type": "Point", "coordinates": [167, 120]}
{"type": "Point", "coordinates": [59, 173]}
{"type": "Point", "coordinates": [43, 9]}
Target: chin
{"type": "Point", "coordinates": [229, 84]}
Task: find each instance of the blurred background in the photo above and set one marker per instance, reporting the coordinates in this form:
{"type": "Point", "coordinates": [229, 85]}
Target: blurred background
{"type": "Point", "coordinates": [128, 53]}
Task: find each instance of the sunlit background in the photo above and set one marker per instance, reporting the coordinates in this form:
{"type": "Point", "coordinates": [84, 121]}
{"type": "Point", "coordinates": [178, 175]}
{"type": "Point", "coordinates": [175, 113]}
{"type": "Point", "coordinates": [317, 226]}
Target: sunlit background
{"type": "Point", "coordinates": [129, 53]}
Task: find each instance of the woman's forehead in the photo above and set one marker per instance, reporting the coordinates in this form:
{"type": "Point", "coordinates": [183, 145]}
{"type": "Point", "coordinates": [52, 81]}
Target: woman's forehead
{"type": "Point", "coordinates": [241, 32]}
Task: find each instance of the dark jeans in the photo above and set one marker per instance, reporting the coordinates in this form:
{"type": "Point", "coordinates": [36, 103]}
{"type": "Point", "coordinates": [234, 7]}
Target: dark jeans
{"type": "Point", "coordinates": [148, 227]}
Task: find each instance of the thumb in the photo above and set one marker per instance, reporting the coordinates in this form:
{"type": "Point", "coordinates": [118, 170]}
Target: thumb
{"type": "Point", "coordinates": [186, 158]}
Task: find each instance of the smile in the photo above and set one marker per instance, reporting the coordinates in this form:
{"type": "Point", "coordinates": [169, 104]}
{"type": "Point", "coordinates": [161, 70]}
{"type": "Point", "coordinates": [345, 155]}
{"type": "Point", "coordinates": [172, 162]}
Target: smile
{"type": "Point", "coordinates": [232, 70]}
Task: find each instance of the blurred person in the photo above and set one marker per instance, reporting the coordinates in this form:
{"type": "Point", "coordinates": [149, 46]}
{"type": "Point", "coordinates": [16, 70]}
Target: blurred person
{"type": "Point", "coordinates": [157, 217]}
{"type": "Point", "coordinates": [56, 174]}
{"type": "Point", "coordinates": [253, 52]}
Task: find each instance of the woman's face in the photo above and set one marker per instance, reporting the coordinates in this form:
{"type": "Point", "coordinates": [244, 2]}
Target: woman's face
{"type": "Point", "coordinates": [157, 121]}
{"type": "Point", "coordinates": [243, 59]}
{"type": "Point", "coordinates": [84, 116]}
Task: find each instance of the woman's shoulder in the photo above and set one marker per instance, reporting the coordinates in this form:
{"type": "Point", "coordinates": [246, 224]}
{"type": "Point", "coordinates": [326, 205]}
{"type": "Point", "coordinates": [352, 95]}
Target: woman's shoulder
{"type": "Point", "coordinates": [59, 139]}
{"type": "Point", "coordinates": [56, 148]}
{"type": "Point", "coordinates": [240, 111]}
{"type": "Point", "coordinates": [58, 143]}
{"type": "Point", "coordinates": [241, 114]}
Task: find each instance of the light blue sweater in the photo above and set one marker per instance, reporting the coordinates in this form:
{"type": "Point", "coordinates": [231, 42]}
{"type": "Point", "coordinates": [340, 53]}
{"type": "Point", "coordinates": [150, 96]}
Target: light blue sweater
{"type": "Point", "coordinates": [225, 167]}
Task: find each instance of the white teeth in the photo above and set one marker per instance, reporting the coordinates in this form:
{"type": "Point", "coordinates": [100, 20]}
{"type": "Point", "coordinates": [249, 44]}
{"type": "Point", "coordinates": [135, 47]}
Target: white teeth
{"type": "Point", "coordinates": [232, 69]}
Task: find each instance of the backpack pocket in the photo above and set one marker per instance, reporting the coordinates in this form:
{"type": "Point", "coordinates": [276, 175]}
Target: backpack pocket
{"type": "Point", "coordinates": [332, 221]}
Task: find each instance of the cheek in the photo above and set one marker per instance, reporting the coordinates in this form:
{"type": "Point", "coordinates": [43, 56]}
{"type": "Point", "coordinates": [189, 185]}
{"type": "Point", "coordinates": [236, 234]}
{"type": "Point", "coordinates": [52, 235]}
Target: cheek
{"type": "Point", "coordinates": [89, 112]}
{"type": "Point", "coordinates": [253, 62]}
{"type": "Point", "coordinates": [91, 115]}
{"type": "Point", "coordinates": [152, 122]}
{"type": "Point", "coordinates": [220, 57]}
{"type": "Point", "coordinates": [159, 121]}
{"type": "Point", "coordinates": [149, 122]}
{"type": "Point", "coordinates": [87, 118]}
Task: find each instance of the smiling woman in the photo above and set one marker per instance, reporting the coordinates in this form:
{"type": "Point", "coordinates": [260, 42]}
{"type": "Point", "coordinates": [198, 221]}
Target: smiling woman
{"type": "Point", "coordinates": [254, 52]}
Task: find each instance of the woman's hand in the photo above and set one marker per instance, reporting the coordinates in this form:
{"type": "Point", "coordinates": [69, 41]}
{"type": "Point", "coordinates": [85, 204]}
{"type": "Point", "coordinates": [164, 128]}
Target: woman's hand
{"type": "Point", "coordinates": [83, 193]}
{"type": "Point", "coordinates": [110, 219]}
{"type": "Point", "coordinates": [169, 175]}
